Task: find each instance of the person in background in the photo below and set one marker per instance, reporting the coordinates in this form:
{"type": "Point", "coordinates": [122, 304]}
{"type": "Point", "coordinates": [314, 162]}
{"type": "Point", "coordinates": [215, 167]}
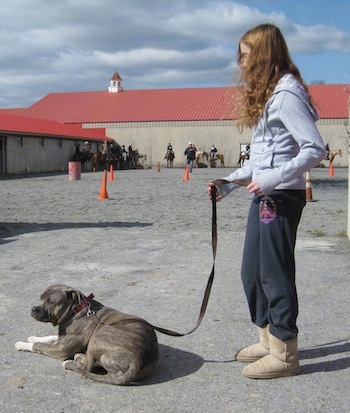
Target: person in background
{"type": "Point", "coordinates": [110, 156]}
{"type": "Point", "coordinates": [247, 151]}
{"type": "Point", "coordinates": [125, 154]}
{"type": "Point", "coordinates": [104, 148]}
{"type": "Point", "coordinates": [213, 151]}
{"type": "Point", "coordinates": [170, 148]}
{"type": "Point", "coordinates": [327, 151]}
{"type": "Point", "coordinates": [274, 102]}
{"type": "Point", "coordinates": [190, 153]}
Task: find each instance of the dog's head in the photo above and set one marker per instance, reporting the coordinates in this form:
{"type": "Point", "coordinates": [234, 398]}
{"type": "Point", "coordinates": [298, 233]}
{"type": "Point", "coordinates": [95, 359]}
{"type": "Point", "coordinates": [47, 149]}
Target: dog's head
{"type": "Point", "coordinates": [59, 304]}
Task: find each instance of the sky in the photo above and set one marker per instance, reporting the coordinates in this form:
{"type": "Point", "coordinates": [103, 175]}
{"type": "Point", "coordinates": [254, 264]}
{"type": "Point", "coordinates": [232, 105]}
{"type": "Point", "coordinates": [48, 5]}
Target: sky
{"type": "Point", "coordinates": [77, 45]}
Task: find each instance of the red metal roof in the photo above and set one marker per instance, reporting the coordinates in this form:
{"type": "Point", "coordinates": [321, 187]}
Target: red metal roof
{"type": "Point", "coordinates": [17, 124]}
{"type": "Point", "coordinates": [187, 104]}
{"type": "Point", "coordinates": [330, 101]}
{"type": "Point", "coordinates": [134, 105]}
{"type": "Point", "coordinates": [13, 111]}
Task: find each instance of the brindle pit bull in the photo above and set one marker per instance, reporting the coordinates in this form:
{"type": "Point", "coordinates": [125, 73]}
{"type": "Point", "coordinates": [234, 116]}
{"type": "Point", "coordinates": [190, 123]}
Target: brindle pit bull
{"type": "Point", "coordinates": [98, 342]}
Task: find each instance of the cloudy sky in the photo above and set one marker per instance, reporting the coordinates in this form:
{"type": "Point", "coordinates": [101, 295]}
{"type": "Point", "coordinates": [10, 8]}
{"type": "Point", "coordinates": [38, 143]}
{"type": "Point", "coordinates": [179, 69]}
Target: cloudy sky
{"type": "Point", "coordinates": [76, 45]}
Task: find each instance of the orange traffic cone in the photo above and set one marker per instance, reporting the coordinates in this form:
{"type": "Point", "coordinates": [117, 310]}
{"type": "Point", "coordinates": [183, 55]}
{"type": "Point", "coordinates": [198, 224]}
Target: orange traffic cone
{"type": "Point", "coordinates": [187, 174]}
{"type": "Point", "coordinates": [308, 188]}
{"type": "Point", "coordinates": [331, 169]}
{"type": "Point", "coordinates": [111, 173]}
{"type": "Point", "coordinates": [103, 191]}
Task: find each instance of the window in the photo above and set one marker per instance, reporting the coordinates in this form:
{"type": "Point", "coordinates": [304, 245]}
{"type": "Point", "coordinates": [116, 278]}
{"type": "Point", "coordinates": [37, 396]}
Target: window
{"type": "Point", "coordinates": [41, 142]}
{"type": "Point", "coordinates": [59, 143]}
{"type": "Point", "coordinates": [19, 141]}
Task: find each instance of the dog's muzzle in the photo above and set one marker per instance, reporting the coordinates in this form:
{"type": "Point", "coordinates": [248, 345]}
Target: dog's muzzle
{"type": "Point", "coordinates": [40, 314]}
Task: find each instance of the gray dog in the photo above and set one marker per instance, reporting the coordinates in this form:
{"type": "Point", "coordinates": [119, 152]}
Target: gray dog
{"type": "Point", "coordinates": [107, 345]}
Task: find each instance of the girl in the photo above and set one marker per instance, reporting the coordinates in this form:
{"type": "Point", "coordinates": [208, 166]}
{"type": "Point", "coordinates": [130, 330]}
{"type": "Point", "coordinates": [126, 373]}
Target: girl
{"type": "Point", "coordinates": [275, 103]}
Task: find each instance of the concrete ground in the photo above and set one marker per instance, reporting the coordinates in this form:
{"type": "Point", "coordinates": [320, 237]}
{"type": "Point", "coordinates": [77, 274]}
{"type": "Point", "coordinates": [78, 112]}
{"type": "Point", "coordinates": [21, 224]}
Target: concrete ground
{"type": "Point", "coordinates": [147, 251]}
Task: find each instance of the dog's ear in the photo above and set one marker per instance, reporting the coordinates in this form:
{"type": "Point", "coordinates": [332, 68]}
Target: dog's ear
{"type": "Point", "coordinates": [74, 296]}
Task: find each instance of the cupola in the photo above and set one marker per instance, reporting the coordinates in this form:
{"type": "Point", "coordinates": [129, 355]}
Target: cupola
{"type": "Point", "coordinates": [115, 84]}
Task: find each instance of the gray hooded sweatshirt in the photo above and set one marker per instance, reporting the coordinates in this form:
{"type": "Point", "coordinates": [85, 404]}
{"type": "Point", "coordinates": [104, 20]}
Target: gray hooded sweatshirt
{"type": "Point", "coordinates": [285, 142]}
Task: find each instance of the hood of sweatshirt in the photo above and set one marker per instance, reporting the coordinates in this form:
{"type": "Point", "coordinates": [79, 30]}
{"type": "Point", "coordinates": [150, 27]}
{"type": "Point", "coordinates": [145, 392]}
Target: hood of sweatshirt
{"type": "Point", "coordinates": [289, 83]}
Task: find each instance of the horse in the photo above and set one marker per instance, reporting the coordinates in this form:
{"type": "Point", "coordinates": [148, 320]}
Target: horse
{"type": "Point", "coordinates": [99, 161]}
{"type": "Point", "coordinates": [201, 154]}
{"type": "Point", "coordinates": [242, 157]}
{"type": "Point", "coordinates": [133, 159]}
{"type": "Point", "coordinates": [220, 157]}
{"type": "Point", "coordinates": [333, 154]}
{"type": "Point", "coordinates": [82, 157]}
{"type": "Point", "coordinates": [169, 156]}
{"type": "Point", "coordinates": [85, 158]}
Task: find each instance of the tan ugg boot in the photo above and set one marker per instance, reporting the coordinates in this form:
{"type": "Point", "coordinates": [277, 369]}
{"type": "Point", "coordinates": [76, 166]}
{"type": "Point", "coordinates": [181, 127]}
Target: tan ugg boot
{"type": "Point", "coordinates": [281, 362]}
{"type": "Point", "coordinates": [258, 350]}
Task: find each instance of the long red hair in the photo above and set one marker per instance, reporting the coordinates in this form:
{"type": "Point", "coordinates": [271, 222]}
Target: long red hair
{"type": "Point", "coordinates": [267, 62]}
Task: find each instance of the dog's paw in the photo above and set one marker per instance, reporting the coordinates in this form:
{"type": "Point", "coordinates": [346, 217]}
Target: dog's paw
{"type": "Point", "coordinates": [80, 358]}
{"type": "Point", "coordinates": [33, 339]}
{"type": "Point", "coordinates": [22, 346]}
{"type": "Point", "coordinates": [45, 339]}
{"type": "Point", "coordinates": [68, 364]}
{"type": "Point", "coordinates": [73, 366]}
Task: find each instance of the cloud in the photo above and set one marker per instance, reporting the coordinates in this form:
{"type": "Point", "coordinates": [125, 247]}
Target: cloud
{"type": "Point", "coordinates": [76, 45]}
{"type": "Point", "coordinates": [316, 39]}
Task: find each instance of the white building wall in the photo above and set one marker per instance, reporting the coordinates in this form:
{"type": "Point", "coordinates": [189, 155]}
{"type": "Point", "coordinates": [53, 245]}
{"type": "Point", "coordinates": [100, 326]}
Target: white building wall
{"type": "Point", "coordinates": [151, 139]}
{"type": "Point", "coordinates": [334, 132]}
{"type": "Point", "coordinates": [31, 158]}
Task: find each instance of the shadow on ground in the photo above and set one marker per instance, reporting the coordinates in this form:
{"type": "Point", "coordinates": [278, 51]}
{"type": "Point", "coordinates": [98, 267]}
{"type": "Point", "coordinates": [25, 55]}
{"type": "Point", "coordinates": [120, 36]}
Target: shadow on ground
{"type": "Point", "coordinates": [10, 229]}
{"type": "Point", "coordinates": [324, 351]}
{"type": "Point", "coordinates": [173, 364]}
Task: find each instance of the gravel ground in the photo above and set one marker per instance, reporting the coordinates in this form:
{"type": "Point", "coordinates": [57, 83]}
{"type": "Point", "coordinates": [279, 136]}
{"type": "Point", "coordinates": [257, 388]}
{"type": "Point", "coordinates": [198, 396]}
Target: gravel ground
{"type": "Point", "coordinates": [147, 251]}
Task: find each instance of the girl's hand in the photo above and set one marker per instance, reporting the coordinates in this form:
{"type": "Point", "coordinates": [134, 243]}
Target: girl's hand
{"type": "Point", "coordinates": [254, 188]}
{"type": "Point", "coordinates": [218, 196]}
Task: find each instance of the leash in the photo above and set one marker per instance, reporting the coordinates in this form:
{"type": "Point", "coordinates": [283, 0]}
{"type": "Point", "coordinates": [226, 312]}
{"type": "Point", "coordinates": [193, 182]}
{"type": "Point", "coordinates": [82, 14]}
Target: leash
{"type": "Point", "coordinates": [214, 241]}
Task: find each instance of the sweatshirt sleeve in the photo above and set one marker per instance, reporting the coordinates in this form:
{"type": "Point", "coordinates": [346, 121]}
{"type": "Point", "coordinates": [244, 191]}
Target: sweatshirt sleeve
{"type": "Point", "coordinates": [238, 178]}
{"type": "Point", "coordinates": [297, 118]}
